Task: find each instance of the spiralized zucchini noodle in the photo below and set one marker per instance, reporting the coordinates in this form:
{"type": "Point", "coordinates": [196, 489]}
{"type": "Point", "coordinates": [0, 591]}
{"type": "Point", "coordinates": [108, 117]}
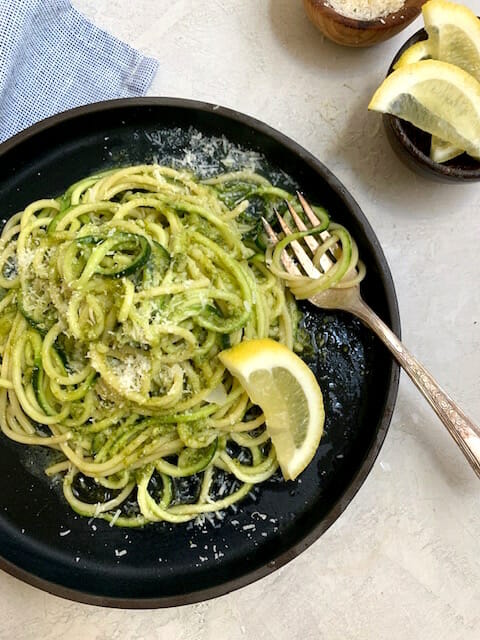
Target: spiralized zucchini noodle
{"type": "Point", "coordinates": [345, 269]}
{"type": "Point", "coordinates": [117, 298]}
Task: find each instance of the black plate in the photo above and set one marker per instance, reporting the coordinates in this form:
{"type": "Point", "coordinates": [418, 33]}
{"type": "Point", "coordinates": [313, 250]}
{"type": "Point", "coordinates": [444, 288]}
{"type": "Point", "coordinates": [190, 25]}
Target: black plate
{"type": "Point", "coordinates": [41, 540]}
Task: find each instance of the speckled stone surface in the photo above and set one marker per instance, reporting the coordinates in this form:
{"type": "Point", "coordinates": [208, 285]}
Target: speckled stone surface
{"type": "Point", "coordinates": [402, 562]}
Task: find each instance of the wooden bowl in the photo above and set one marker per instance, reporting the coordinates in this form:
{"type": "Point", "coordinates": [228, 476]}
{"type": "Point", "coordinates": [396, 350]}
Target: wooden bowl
{"type": "Point", "coordinates": [360, 33]}
{"type": "Point", "coordinates": [412, 145]}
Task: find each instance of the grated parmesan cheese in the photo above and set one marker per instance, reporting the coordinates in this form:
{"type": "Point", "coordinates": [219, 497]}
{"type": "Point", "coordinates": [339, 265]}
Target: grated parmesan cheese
{"type": "Point", "coordinates": [98, 510]}
{"type": "Point", "coordinates": [115, 518]}
{"type": "Point", "coordinates": [25, 258]}
{"type": "Point", "coordinates": [133, 371]}
{"type": "Point", "coordinates": [130, 372]}
{"type": "Point", "coordinates": [204, 155]}
{"type": "Point", "coordinates": [365, 9]}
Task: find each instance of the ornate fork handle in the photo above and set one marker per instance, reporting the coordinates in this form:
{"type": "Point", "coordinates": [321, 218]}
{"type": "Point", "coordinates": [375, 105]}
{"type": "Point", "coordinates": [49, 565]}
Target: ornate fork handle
{"type": "Point", "coordinates": [465, 433]}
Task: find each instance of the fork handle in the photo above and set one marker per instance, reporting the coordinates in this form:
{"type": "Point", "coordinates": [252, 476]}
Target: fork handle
{"type": "Point", "coordinates": [465, 433]}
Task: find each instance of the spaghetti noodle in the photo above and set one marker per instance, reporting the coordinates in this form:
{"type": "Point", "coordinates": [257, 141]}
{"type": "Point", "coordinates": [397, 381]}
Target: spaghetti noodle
{"type": "Point", "coordinates": [117, 298]}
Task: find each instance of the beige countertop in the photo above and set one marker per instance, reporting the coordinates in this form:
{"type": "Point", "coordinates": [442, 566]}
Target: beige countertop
{"type": "Point", "coordinates": [402, 562]}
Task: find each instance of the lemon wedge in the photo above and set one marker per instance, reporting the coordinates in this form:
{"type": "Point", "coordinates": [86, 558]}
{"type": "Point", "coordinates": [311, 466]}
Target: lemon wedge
{"type": "Point", "coordinates": [441, 150]}
{"type": "Point", "coordinates": [454, 37]}
{"type": "Point", "coordinates": [454, 34]}
{"type": "Point", "coordinates": [437, 97]}
{"type": "Point", "coordinates": [286, 390]}
{"type": "Point", "coordinates": [415, 53]}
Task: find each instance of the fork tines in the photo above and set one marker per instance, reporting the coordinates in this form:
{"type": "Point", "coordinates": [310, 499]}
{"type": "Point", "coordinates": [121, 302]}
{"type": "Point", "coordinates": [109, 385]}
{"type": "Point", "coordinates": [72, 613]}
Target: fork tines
{"type": "Point", "coordinates": [303, 258]}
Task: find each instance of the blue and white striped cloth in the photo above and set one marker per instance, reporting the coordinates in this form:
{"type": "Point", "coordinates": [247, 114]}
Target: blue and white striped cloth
{"type": "Point", "coordinates": [52, 58]}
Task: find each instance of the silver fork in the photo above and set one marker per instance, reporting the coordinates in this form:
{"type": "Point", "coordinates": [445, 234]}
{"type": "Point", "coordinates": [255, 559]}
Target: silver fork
{"type": "Point", "coordinates": [465, 433]}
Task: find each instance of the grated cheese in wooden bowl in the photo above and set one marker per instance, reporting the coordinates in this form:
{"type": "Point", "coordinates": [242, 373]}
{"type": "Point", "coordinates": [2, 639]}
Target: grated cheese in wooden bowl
{"type": "Point", "coordinates": [365, 9]}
